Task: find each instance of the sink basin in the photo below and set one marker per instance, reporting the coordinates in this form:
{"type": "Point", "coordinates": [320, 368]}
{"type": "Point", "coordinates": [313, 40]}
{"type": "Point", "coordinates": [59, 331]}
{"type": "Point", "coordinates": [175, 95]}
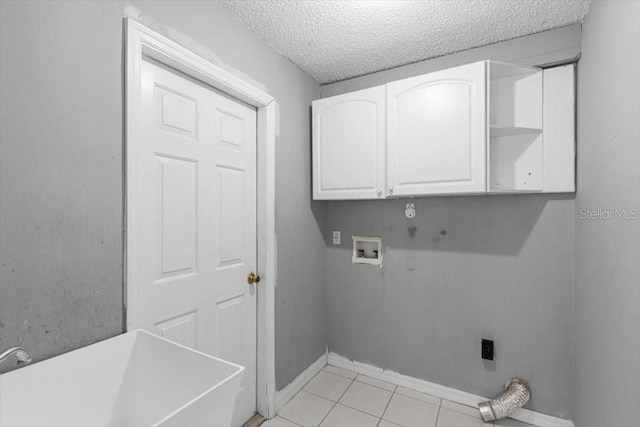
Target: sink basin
{"type": "Point", "coordinates": [135, 379]}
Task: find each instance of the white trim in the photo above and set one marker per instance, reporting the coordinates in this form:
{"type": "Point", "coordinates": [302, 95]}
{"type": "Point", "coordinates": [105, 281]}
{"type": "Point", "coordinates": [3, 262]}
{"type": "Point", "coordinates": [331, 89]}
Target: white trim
{"type": "Point", "coordinates": [286, 394]}
{"type": "Point", "coordinates": [266, 257]}
{"type": "Point", "coordinates": [144, 42]}
{"type": "Point", "coordinates": [443, 392]}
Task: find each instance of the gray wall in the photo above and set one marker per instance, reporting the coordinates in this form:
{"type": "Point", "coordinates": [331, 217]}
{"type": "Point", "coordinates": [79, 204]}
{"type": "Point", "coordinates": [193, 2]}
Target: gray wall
{"type": "Point", "coordinates": [607, 293]}
{"type": "Point", "coordinates": [498, 267]}
{"type": "Point", "coordinates": [62, 174]}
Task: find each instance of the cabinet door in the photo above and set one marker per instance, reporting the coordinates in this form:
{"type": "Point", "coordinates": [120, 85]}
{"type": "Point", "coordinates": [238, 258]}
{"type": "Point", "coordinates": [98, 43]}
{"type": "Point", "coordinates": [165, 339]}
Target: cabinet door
{"type": "Point", "coordinates": [436, 140]}
{"type": "Point", "coordinates": [348, 145]}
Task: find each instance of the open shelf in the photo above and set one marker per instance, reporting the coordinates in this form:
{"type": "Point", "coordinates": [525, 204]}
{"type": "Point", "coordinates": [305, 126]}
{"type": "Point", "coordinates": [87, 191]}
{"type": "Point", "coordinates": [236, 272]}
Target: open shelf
{"type": "Point", "coordinates": [515, 154]}
{"type": "Point", "coordinates": [515, 97]}
{"type": "Point", "coordinates": [499, 130]}
{"type": "Point", "coordinates": [503, 70]}
{"type": "Point", "coordinates": [516, 163]}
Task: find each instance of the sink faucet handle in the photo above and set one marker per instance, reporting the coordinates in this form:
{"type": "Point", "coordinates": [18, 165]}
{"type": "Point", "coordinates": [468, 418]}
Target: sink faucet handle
{"type": "Point", "coordinates": [20, 353]}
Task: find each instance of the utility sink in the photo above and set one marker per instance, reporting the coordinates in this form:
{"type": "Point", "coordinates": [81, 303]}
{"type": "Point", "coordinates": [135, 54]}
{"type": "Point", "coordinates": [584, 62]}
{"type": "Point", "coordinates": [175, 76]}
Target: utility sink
{"type": "Point", "coordinates": [135, 379]}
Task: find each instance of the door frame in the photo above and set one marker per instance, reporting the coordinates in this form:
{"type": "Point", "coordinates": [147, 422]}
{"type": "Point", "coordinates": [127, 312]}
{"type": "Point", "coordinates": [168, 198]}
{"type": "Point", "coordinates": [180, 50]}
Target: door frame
{"type": "Point", "coordinates": [142, 42]}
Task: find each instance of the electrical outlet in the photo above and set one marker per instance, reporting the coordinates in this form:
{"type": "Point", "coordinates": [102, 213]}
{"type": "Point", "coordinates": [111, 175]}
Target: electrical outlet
{"type": "Point", "coordinates": [487, 349]}
{"type": "Point", "coordinates": [336, 237]}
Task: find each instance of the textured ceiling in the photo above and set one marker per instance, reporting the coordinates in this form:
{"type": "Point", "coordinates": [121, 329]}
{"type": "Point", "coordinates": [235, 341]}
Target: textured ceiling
{"type": "Point", "coordinates": [334, 40]}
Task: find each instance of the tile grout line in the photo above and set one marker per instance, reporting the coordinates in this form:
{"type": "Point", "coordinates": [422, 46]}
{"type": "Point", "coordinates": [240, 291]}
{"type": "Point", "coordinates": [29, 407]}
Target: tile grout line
{"type": "Point", "coordinates": [419, 400]}
{"type": "Point", "coordinates": [285, 418]}
{"type": "Point", "coordinates": [343, 376]}
{"type": "Point", "coordinates": [395, 387]}
{"type": "Point", "coordinates": [316, 394]}
{"type": "Point", "coordinates": [327, 414]}
{"type": "Point", "coordinates": [326, 398]}
{"type": "Point", "coordinates": [336, 402]}
{"type": "Point", "coordinates": [438, 416]}
{"type": "Point", "coordinates": [387, 407]}
{"type": "Point", "coordinates": [379, 388]}
{"type": "Point", "coordinates": [394, 392]}
{"type": "Point", "coordinates": [464, 413]}
{"type": "Point", "coordinates": [364, 412]}
{"type": "Point", "coordinates": [492, 423]}
{"type": "Point", "coordinates": [345, 390]}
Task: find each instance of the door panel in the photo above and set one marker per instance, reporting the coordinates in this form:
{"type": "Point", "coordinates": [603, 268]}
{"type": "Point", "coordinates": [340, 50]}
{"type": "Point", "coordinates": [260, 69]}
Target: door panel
{"type": "Point", "coordinates": [437, 133]}
{"type": "Point", "coordinates": [197, 210]}
{"type": "Point", "coordinates": [176, 112]}
{"type": "Point", "coordinates": [177, 216]}
{"type": "Point", "coordinates": [229, 320]}
{"type": "Point", "coordinates": [231, 224]}
{"type": "Point", "coordinates": [181, 329]}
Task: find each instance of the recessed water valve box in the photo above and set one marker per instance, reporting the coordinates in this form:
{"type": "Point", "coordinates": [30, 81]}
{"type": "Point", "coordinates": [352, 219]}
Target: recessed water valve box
{"type": "Point", "coordinates": [367, 250]}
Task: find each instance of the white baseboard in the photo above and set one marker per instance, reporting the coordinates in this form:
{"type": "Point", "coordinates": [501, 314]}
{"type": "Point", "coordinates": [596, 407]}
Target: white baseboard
{"type": "Point", "coordinates": [454, 395]}
{"type": "Point", "coordinates": [286, 394]}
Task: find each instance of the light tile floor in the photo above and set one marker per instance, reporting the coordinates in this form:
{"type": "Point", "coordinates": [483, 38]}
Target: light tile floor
{"type": "Point", "coordinates": [339, 398]}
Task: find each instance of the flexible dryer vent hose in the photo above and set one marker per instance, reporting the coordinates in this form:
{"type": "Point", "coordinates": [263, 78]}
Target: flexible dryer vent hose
{"type": "Point", "coordinates": [516, 394]}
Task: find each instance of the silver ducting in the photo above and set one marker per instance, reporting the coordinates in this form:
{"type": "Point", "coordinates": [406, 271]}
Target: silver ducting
{"type": "Point", "coordinates": [516, 394]}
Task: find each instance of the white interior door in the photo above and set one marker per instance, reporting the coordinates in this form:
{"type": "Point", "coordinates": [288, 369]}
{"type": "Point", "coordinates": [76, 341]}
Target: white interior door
{"type": "Point", "coordinates": [197, 221]}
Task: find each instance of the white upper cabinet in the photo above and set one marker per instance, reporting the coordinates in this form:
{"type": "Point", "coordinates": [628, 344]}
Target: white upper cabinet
{"type": "Point", "coordinates": [482, 128]}
{"type": "Point", "coordinates": [349, 146]}
{"type": "Point", "coordinates": [437, 132]}
{"type": "Point", "coordinates": [531, 145]}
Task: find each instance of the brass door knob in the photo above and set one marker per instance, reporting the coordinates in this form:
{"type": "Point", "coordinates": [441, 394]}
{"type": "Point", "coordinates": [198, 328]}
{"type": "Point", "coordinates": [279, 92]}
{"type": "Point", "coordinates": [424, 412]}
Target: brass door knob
{"type": "Point", "coordinates": [253, 278]}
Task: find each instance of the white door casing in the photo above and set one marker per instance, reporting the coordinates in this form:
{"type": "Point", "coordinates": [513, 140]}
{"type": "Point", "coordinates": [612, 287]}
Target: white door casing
{"type": "Point", "coordinates": [436, 132]}
{"type": "Point", "coordinates": [180, 261]}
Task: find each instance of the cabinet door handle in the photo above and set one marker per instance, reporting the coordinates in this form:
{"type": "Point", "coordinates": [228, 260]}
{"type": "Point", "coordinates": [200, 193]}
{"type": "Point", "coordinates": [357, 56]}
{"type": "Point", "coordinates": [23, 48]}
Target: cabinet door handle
{"type": "Point", "coordinates": [390, 190]}
{"type": "Point", "coordinates": [379, 193]}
